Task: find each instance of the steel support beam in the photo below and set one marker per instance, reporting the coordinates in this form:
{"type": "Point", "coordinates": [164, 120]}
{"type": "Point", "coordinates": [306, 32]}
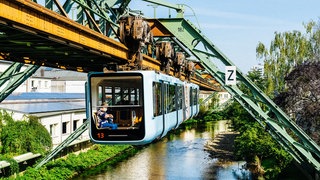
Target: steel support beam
{"type": "Point", "coordinates": [85, 125]}
{"type": "Point", "coordinates": [303, 149]}
{"type": "Point", "coordinates": [178, 7]}
{"type": "Point", "coordinates": [73, 136]}
{"type": "Point", "coordinates": [36, 19]}
{"type": "Point", "coordinates": [13, 77]}
{"type": "Point", "coordinates": [208, 98]}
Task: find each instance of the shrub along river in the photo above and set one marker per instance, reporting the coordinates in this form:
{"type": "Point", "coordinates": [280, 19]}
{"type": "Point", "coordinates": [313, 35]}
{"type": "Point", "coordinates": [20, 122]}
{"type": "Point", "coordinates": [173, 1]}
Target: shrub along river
{"type": "Point", "coordinates": [187, 153]}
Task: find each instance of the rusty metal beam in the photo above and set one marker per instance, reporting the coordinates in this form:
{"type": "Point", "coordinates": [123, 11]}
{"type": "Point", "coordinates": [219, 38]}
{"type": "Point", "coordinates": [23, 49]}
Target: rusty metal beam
{"type": "Point", "coordinates": [36, 19]}
{"type": "Point", "coordinates": [50, 39]}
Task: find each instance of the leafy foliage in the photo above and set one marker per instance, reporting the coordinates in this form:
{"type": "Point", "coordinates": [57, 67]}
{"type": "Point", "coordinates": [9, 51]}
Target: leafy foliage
{"type": "Point", "coordinates": [41, 140]}
{"type": "Point", "coordinates": [254, 142]}
{"type": "Point", "coordinates": [287, 50]}
{"type": "Point", "coordinates": [14, 166]}
{"type": "Point", "coordinates": [66, 168]}
{"type": "Point", "coordinates": [44, 173]}
{"type": "Point", "coordinates": [19, 137]}
{"type": "Point", "coordinates": [301, 100]}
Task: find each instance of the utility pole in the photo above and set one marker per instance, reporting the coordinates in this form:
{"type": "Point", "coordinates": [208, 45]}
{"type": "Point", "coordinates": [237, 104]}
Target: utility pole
{"type": "Point", "coordinates": [154, 9]}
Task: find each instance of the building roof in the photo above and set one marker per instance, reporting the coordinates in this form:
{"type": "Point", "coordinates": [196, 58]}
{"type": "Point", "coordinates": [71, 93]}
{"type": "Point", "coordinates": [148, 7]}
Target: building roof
{"type": "Point", "coordinates": [40, 107]}
{"type": "Point", "coordinates": [35, 103]}
{"type": "Point", "coordinates": [37, 95]}
{"type": "Point", "coordinates": [60, 75]}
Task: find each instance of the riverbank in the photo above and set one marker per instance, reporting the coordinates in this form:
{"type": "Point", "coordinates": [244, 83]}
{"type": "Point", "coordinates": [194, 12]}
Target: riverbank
{"type": "Point", "coordinates": [75, 165]}
{"type": "Point", "coordinates": [222, 146]}
{"type": "Point", "coordinates": [101, 158]}
{"type": "Point", "coordinates": [179, 155]}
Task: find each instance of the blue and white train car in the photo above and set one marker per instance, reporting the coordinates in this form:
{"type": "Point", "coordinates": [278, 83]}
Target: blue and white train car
{"type": "Point", "coordinates": [145, 105]}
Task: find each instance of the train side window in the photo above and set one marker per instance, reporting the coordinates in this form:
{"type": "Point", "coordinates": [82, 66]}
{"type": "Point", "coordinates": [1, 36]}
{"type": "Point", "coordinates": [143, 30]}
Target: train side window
{"type": "Point", "coordinates": [190, 96]}
{"type": "Point", "coordinates": [133, 96]}
{"type": "Point", "coordinates": [108, 95]}
{"type": "Point", "coordinates": [166, 98]}
{"type": "Point", "coordinates": [180, 96]}
{"type": "Point", "coordinates": [172, 101]}
{"type": "Point", "coordinates": [100, 95]}
{"type": "Point", "coordinates": [117, 93]}
{"type": "Point", "coordinates": [137, 97]}
{"type": "Point", "coordinates": [194, 94]}
{"type": "Point", "coordinates": [125, 96]}
{"type": "Point", "coordinates": [157, 99]}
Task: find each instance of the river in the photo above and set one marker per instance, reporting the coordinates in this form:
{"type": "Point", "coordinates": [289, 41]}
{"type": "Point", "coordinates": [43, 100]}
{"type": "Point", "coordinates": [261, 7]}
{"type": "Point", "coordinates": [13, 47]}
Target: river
{"type": "Point", "coordinates": [180, 155]}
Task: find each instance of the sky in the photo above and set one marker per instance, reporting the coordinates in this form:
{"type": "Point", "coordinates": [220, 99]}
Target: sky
{"type": "Point", "coordinates": [236, 27]}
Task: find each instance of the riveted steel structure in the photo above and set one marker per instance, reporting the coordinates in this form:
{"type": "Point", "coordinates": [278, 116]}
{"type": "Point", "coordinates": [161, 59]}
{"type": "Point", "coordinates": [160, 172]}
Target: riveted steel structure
{"type": "Point", "coordinates": [302, 148]}
{"type": "Point", "coordinates": [33, 34]}
{"type": "Point", "coordinates": [82, 42]}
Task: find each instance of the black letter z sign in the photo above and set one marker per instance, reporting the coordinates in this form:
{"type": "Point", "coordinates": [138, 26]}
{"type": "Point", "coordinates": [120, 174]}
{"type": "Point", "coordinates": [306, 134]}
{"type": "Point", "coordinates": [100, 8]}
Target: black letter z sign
{"type": "Point", "coordinates": [230, 75]}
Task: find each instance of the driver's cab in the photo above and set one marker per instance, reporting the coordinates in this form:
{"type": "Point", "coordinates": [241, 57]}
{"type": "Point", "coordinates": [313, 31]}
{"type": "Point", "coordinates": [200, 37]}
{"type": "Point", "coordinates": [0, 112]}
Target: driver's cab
{"type": "Point", "coordinates": [123, 94]}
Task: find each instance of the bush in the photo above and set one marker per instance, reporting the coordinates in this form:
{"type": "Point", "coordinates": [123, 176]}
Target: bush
{"type": "Point", "coordinates": [19, 137]}
{"type": "Point", "coordinates": [254, 141]}
{"type": "Point", "coordinates": [44, 173]}
{"type": "Point", "coordinates": [65, 168]}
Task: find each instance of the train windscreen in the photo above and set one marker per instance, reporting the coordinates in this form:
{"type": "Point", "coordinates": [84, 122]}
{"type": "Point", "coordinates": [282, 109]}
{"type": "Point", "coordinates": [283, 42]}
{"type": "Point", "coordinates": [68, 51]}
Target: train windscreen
{"type": "Point", "coordinates": [116, 104]}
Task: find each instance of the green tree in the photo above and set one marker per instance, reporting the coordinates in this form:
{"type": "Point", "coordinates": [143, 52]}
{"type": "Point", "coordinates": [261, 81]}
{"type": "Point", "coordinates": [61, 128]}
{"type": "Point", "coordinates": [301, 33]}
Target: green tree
{"type": "Point", "coordinates": [41, 140]}
{"type": "Point", "coordinates": [301, 100]}
{"type": "Point", "coordinates": [262, 153]}
{"type": "Point", "coordinates": [287, 50]}
{"type": "Point", "coordinates": [256, 77]}
{"type": "Point", "coordinates": [18, 137]}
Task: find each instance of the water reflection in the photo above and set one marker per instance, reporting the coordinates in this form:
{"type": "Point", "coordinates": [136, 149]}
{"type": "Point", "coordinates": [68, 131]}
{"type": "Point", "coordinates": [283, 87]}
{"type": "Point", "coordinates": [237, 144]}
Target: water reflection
{"type": "Point", "coordinates": [179, 156]}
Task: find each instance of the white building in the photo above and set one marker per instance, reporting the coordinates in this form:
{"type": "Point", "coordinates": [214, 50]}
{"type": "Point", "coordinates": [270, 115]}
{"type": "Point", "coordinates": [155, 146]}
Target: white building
{"type": "Point", "coordinates": [55, 96]}
{"type": "Point", "coordinates": [50, 80]}
{"type": "Point", "coordinates": [223, 96]}
{"type": "Point", "coordinates": [60, 113]}
{"type": "Point", "coordinates": [63, 81]}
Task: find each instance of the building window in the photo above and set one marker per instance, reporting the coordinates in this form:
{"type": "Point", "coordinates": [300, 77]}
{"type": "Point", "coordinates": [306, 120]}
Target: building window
{"type": "Point", "coordinates": [75, 124]}
{"type": "Point", "coordinates": [64, 127]}
{"type": "Point", "coordinates": [53, 129]}
{"type": "Point", "coordinates": [225, 96]}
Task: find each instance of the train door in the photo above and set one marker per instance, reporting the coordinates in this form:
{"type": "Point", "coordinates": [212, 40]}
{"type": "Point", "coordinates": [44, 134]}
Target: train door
{"type": "Point", "coordinates": [168, 98]}
{"type": "Point", "coordinates": [191, 101]}
{"type": "Point", "coordinates": [187, 101]}
{"type": "Point", "coordinates": [164, 103]}
{"type": "Point", "coordinates": [196, 102]}
{"type": "Point", "coordinates": [179, 104]}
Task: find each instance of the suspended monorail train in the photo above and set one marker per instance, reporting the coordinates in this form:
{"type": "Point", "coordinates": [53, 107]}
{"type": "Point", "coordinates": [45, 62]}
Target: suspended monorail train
{"type": "Point", "coordinates": [145, 105]}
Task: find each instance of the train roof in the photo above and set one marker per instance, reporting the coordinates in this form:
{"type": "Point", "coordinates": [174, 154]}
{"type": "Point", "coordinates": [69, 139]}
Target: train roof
{"type": "Point", "coordinates": [158, 76]}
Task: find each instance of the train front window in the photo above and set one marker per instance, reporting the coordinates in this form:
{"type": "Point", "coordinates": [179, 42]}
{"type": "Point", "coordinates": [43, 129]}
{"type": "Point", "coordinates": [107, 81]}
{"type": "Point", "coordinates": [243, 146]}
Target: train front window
{"type": "Point", "coordinates": [116, 106]}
